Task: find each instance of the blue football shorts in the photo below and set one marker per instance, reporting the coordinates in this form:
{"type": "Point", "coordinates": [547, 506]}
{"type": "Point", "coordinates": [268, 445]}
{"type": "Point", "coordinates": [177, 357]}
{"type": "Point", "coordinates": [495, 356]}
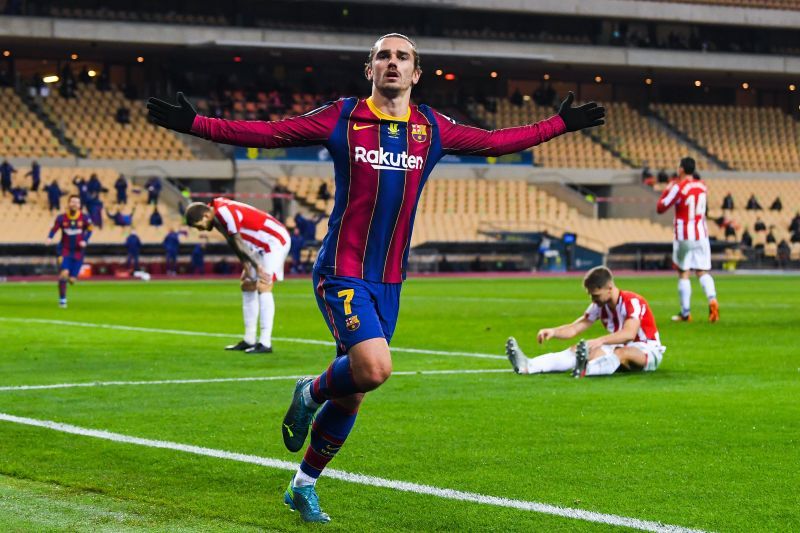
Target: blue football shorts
{"type": "Point", "coordinates": [357, 310]}
{"type": "Point", "coordinates": [72, 264]}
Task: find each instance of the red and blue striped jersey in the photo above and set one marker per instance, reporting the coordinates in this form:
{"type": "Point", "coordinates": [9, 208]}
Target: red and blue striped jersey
{"type": "Point", "coordinates": [74, 230]}
{"type": "Point", "coordinates": [381, 164]}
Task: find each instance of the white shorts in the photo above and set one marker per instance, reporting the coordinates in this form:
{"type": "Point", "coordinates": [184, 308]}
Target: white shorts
{"type": "Point", "coordinates": [692, 255]}
{"type": "Point", "coordinates": [271, 261]}
{"type": "Point", "coordinates": [654, 351]}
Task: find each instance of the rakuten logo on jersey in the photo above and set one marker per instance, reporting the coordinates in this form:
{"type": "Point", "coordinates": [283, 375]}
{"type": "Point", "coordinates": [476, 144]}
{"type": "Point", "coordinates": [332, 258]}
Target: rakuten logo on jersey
{"type": "Point", "coordinates": [381, 160]}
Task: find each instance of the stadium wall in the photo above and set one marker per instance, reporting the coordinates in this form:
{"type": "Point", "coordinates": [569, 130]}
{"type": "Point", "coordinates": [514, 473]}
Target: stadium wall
{"type": "Point", "coordinates": [45, 28]}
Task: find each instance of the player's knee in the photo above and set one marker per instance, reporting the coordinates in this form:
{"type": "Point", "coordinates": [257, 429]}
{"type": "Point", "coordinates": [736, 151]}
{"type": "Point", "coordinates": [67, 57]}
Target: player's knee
{"type": "Point", "coordinates": [373, 377]}
{"type": "Point", "coordinates": [248, 285]}
{"type": "Point", "coordinates": [264, 286]}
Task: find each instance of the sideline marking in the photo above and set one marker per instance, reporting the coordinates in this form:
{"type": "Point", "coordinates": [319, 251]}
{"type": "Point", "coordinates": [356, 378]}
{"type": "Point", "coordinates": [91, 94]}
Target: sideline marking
{"type": "Point", "coordinates": [231, 335]}
{"type": "Point", "coordinates": [404, 486]}
{"type": "Point", "coordinates": [228, 380]}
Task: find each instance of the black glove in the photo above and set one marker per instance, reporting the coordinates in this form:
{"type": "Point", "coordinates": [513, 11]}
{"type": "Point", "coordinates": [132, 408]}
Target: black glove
{"type": "Point", "coordinates": [577, 118]}
{"type": "Point", "coordinates": [175, 117]}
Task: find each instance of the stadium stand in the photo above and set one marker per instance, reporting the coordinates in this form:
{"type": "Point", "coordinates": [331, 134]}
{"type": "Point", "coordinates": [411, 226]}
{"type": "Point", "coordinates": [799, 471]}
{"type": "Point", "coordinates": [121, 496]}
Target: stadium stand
{"type": "Point", "coordinates": [32, 221]}
{"type": "Point", "coordinates": [766, 191]}
{"type": "Point", "coordinates": [88, 120]}
{"type": "Point", "coordinates": [571, 151]}
{"type": "Point", "coordinates": [765, 4]}
{"type": "Point", "coordinates": [465, 210]}
{"type": "Point", "coordinates": [644, 142]}
{"type": "Point", "coordinates": [22, 132]}
{"type": "Point", "coordinates": [746, 138]}
{"type": "Point", "coordinates": [106, 13]}
{"type": "Point", "coordinates": [261, 105]}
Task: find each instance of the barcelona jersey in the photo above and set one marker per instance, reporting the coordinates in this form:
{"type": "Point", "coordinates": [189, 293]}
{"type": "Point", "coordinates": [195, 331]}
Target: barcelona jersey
{"type": "Point", "coordinates": [381, 164]}
{"type": "Point", "coordinates": [74, 230]}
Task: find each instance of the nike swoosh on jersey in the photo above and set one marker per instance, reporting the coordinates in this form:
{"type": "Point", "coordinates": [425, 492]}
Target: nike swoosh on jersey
{"type": "Point", "coordinates": [357, 127]}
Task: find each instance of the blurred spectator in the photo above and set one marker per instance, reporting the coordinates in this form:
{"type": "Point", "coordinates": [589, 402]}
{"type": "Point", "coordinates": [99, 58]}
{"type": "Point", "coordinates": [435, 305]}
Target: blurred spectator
{"type": "Point", "coordinates": [153, 187]}
{"type": "Point", "coordinates": [771, 236]}
{"type": "Point", "coordinates": [747, 239]}
{"type": "Point", "coordinates": [777, 205]}
{"type": "Point", "coordinates": [94, 187]}
{"type": "Point", "coordinates": [103, 81]}
{"type": "Point", "coordinates": [172, 244]}
{"type": "Point", "coordinates": [307, 226]}
{"type": "Point", "coordinates": [663, 177]}
{"type": "Point", "coordinates": [296, 249]}
{"type": "Point", "coordinates": [133, 244]}
{"type": "Point", "coordinates": [647, 177]}
{"type": "Point", "coordinates": [67, 87]}
{"type": "Point", "coordinates": [727, 202]}
{"type": "Point", "coordinates": [83, 188]}
{"type": "Point", "coordinates": [198, 265]}
{"type": "Point", "coordinates": [36, 176]}
{"type": "Point", "coordinates": [120, 218]}
{"type": "Point", "coordinates": [123, 115]}
{"type": "Point", "coordinates": [122, 189]}
{"type": "Point", "coordinates": [279, 204]}
{"type": "Point", "coordinates": [752, 204]}
{"type": "Point", "coordinates": [19, 195]}
{"type": "Point", "coordinates": [5, 175]}
{"type": "Point", "coordinates": [54, 194]}
{"type": "Point", "coordinates": [796, 236]}
{"type": "Point", "coordinates": [516, 98]}
{"type": "Point", "coordinates": [784, 253]}
{"type": "Point", "coordinates": [759, 225]}
{"type": "Point", "coordinates": [794, 225]}
{"type": "Point", "coordinates": [155, 218]}
{"type": "Point", "coordinates": [83, 76]}
{"type": "Point", "coordinates": [323, 193]}
{"type": "Point", "coordinates": [95, 208]}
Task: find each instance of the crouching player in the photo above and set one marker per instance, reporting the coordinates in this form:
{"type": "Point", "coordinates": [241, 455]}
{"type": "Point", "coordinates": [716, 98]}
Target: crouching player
{"type": "Point", "coordinates": [632, 343]}
{"type": "Point", "coordinates": [76, 228]}
{"type": "Point", "coordinates": [262, 243]}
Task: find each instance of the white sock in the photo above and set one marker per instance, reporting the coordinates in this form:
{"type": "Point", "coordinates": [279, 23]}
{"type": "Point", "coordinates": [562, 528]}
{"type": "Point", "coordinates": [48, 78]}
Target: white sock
{"type": "Point", "coordinates": [552, 362]}
{"type": "Point", "coordinates": [308, 400]}
{"type": "Point", "coordinates": [603, 366]}
{"type": "Point", "coordinates": [250, 313]}
{"type": "Point", "coordinates": [685, 292]}
{"type": "Point", "coordinates": [301, 479]}
{"type": "Point", "coordinates": [267, 317]}
{"type": "Point", "coordinates": [708, 286]}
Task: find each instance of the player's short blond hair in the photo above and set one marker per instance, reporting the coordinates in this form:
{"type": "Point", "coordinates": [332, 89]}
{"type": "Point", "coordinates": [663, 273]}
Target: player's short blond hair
{"type": "Point", "coordinates": [194, 212]}
{"type": "Point", "coordinates": [374, 50]}
{"type": "Point", "coordinates": [597, 278]}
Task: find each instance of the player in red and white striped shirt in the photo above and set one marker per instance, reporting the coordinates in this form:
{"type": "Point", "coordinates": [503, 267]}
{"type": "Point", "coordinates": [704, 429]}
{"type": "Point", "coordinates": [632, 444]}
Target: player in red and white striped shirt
{"type": "Point", "coordinates": [632, 342]}
{"type": "Point", "coordinates": [262, 243]}
{"type": "Point", "coordinates": [690, 248]}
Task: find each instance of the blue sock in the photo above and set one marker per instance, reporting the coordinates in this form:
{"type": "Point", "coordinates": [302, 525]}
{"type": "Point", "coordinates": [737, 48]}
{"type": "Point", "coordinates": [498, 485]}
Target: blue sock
{"type": "Point", "coordinates": [335, 382]}
{"type": "Point", "coordinates": [328, 433]}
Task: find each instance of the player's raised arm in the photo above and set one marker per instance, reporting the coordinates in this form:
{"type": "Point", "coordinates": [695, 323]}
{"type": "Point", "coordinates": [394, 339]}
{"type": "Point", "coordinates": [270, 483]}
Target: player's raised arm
{"type": "Point", "coordinates": [668, 197]}
{"type": "Point", "coordinates": [314, 127]}
{"type": "Point", "coordinates": [457, 138]}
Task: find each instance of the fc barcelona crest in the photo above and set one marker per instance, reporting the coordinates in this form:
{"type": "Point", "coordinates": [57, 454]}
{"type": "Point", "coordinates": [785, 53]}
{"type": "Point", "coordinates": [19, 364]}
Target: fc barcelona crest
{"type": "Point", "coordinates": [419, 132]}
{"type": "Point", "coordinates": [352, 323]}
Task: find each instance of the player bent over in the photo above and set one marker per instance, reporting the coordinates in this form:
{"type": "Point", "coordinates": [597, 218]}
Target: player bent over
{"type": "Point", "coordinates": [383, 149]}
{"type": "Point", "coordinates": [76, 228]}
{"type": "Point", "coordinates": [632, 342]}
{"type": "Point", "coordinates": [691, 249]}
{"type": "Point", "coordinates": [262, 243]}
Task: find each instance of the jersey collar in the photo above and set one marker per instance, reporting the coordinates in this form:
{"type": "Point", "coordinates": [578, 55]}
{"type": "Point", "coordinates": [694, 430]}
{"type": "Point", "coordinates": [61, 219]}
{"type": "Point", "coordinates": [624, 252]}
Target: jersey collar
{"type": "Point", "coordinates": [77, 214]}
{"type": "Point", "coordinates": [383, 116]}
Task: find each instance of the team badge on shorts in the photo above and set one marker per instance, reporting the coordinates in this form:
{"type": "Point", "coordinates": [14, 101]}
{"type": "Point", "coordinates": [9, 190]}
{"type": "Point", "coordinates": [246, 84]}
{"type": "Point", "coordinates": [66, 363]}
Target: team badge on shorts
{"type": "Point", "coordinates": [352, 323]}
{"type": "Point", "coordinates": [419, 132]}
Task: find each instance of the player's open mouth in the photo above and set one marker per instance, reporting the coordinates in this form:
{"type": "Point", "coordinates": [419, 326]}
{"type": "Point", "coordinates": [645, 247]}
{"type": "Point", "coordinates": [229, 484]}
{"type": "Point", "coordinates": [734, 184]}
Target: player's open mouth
{"type": "Point", "coordinates": [392, 75]}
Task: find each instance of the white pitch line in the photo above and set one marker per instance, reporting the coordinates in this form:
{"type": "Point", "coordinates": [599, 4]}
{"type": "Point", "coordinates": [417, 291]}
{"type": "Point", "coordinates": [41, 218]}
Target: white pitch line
{"type": "Point", "coordinates": [361, 479]}
{"type": "Point", "coordinates": [233, 335]}
{"type": "Point", "coordinates": [88, 384]}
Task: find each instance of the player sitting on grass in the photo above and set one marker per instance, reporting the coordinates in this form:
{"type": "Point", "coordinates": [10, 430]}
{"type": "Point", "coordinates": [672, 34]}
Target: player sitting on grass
{"type": "Point", "coordinates": [262, 243]}
{"type": "Point", "coordinates": [632, 342]}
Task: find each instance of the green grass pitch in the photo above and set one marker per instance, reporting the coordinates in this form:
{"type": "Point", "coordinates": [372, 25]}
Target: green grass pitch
{"type": "Point", "coordinates": [709, 441]}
